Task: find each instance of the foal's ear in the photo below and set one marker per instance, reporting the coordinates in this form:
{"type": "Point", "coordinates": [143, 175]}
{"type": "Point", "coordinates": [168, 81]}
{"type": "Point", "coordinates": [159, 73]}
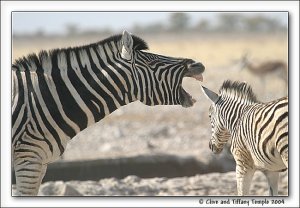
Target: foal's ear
{"type": "Point", "coordinates": [214, 97]}
{"type": "Point", "coordinates": [127, 46]}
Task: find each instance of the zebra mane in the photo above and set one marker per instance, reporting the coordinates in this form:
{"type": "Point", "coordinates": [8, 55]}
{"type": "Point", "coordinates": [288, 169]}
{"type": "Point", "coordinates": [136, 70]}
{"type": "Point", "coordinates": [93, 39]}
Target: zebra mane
{"type": "Point", "coordinates": [138, 44]}
{"type": "Point", "coordinates": [236, 89]}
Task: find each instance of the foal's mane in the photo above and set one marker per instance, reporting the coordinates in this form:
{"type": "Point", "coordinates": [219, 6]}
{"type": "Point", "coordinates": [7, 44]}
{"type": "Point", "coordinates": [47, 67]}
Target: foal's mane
{"type": "Point", "coordinates": [237, 90]}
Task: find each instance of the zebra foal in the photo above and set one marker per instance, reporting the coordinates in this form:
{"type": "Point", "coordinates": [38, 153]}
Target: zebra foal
{"type": "Point", "coordinates": [259, 133]}
{"type": "Point", "coordinates": [57, 94]}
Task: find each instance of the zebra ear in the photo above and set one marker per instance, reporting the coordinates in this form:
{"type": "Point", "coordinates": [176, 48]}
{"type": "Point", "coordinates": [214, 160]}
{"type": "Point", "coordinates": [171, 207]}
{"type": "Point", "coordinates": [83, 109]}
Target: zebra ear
{"type": "Point", "coordinates": [127, 46]}
{"type": "Point", "coordinates": [214, 97]}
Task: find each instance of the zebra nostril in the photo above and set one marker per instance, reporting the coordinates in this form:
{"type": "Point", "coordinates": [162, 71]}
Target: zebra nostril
{"type": "Point", "coordinates": [197, 65]}
{"type": "Point", "coordinates": [195, 70]}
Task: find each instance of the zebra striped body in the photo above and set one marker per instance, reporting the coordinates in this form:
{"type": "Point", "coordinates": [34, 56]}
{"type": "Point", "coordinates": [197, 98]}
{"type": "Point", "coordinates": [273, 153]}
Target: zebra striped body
{"type": "Point", "coordinates": [258, 131]}
{"type": "Point", "coordinates": [57, 94]}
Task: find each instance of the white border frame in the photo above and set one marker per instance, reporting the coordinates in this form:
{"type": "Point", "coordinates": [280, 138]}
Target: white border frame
{"type": "Point", "coordinates": [6, 9]}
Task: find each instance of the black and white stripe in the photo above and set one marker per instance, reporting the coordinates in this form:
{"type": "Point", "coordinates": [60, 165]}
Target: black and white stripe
{"type": "Point", "coordinates": [259, 132]}
{"type": "Point", "coordinates": [59, 93]}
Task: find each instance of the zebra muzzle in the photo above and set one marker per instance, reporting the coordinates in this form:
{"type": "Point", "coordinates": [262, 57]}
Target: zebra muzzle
{"type": "Point", "coordinates": [210, 146]}
{"type": "Point", "coordinates": [195, 71]}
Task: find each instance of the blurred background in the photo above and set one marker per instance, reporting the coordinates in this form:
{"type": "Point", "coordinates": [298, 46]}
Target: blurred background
{"type": "Point", "coordinates": [139, 145]}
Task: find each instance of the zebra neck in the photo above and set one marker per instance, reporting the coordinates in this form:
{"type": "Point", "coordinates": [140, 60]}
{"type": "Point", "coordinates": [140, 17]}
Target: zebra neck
{"type": "Point", "coordinates": [92, 89]}
{"type": "Point", "coordinates": [234, 116]}
{"type": "Point", "coordinates": [106, 103]}
{"type": "Point", "coordinates": [93, 110]}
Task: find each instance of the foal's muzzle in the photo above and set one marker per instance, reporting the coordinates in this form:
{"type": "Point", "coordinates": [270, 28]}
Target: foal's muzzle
{"type": "Point", "coordinates": [214, 148]}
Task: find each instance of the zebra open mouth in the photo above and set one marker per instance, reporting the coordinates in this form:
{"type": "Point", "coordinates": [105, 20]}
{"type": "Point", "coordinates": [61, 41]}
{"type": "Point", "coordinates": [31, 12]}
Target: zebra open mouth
{"type": "Point", "coordinates": [186, 99]}
{"type": "Point", "coordinates": [195, 70]}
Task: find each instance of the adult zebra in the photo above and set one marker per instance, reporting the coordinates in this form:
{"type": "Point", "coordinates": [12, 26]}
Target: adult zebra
{"type": "Point", "coordinates": [59, 93]}
{"type": "Point", "coordinates": [259, 132]}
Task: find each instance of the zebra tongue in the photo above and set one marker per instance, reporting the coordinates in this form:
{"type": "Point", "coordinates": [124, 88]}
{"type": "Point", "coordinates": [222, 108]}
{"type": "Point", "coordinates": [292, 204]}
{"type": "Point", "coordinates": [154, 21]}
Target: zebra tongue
{"type": "Point", "coordinates": [198, 77]}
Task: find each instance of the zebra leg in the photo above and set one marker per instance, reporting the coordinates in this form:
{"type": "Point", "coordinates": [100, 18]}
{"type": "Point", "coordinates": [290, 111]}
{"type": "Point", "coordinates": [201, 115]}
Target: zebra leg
{"type": "Point", "coordinates": [244, 177]}
{"type": "Point", "coordinates": [272, 178]}
{"type": "Point", "coordinates": [29, 175]}
{"type": "Point", "coordinates": [285, 157]}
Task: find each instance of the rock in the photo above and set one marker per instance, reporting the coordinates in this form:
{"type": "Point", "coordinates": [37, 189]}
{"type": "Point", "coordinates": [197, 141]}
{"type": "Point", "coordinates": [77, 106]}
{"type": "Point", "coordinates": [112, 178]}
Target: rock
{"type": "Point", "coordinates": [55, 188]}
{"type": "Point", "coordinates": [131, 179]}
{"type": "Point", "coordinates": [71, 191]}
{"type": "Point", "coordinates": [212, 184]}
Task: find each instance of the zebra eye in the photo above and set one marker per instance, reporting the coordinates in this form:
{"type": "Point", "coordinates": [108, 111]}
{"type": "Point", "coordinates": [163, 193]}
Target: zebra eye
{"type": "Point", "coordinates": [152, 62]}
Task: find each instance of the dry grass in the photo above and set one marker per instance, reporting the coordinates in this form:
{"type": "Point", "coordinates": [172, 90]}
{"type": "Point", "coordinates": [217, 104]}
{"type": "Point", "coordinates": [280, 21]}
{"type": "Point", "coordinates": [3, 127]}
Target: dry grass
{"type": "Point", "coordinates": [214, 51]}
{"type": "Point", "coordinates": [218, 53]}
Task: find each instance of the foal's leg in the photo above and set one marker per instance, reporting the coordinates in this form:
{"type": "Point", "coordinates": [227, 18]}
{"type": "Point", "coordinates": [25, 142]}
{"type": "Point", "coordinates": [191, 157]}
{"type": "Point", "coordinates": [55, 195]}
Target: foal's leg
{"type": "Point", "coordinates": [244, 170]}
{"type": "Point", "coordinates": [244, 177]}
{"type": "Point", "coordinates": [272, 178]}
